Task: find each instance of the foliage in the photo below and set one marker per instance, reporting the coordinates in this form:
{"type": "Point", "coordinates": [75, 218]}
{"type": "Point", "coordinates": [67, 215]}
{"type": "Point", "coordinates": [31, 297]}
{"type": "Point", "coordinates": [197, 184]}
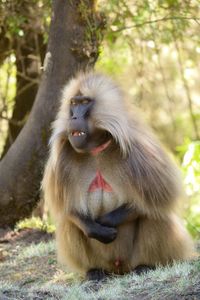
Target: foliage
{"type": "Point", "coordinates": [8, 83]}
{"type": "Point", "coordinates": [37, 223]}
{"type": "Point", "coordinates": [7, 93]}
{"type": "Point", "coordinates": [16, 16]}
{"type": "Point", "coordinates": [153, 49]}
{"type": "Point", "coordinates": [190, 152]}
{"type": "Point", "coordinates": [191, 166]}
{"type": "Point", "coordinates": [23, 36]}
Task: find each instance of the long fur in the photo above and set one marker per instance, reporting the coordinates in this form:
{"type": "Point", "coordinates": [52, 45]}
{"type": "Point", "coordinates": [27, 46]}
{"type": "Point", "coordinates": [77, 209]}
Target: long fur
{"type": "Point", "coordinates": [139, 172]}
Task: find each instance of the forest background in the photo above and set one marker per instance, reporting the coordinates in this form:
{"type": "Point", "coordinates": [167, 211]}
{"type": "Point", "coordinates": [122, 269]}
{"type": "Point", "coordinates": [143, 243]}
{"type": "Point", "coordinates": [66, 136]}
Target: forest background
{"type": "Point", "coordinates": [152, 48]}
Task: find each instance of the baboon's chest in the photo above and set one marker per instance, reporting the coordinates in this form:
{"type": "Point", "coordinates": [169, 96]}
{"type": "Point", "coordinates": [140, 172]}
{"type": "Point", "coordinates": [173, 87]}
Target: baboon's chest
{"type": "Point", "coordinates": [102, 189]}
{"type": "Point", "coordinates": [101, 195]}
{"type": "Point", "coordinates": [99, 183]}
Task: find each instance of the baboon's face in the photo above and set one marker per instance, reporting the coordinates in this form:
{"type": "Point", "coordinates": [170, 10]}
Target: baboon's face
{"type": "Point", "coordinates": [83, 135]}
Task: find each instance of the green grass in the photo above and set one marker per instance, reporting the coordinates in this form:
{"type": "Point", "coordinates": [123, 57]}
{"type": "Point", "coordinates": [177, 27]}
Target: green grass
{"type": "Point", "coordinates": [30, 271]}
{"type": "Point", "coordinates": [173, 282]}
{"type": "Point", "coordinates": [41, 249]}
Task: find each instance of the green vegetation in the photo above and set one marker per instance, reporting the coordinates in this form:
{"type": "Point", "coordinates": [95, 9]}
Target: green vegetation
{"type": "Point", "coordinates": [7, 94]}
{"type": "Point", "coordinates": [36, 223]}
{"type": "Point", "coordinates": [30, 271]}
{"type": "Point", "coordinates": [152, 48]}
{"type": "Point", "coordinates": [191, 170]}
{"type": "Point", "coordinates": [41, 249]}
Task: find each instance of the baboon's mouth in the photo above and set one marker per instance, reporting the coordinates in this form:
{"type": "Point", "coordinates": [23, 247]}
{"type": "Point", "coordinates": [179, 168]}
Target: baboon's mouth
{"type": "Point", "coordinates": [77, 133]}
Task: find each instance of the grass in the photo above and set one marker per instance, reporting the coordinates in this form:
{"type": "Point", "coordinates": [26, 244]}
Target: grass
{"type": "Point", "coordinates": [31, 272]}
{"type": "Point", "coordinates": [41, 249]}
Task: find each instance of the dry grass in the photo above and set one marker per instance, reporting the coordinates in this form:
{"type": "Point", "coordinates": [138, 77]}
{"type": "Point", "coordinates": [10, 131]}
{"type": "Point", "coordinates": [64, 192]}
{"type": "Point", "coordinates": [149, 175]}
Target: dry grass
{"type": "Point", "coordinates": [28, 270]}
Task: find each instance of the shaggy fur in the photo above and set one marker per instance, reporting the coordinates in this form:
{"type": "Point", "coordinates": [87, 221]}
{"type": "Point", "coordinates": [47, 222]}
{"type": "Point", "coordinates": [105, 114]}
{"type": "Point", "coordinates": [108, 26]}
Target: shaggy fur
{"type": "Point", "coordinates": [136, 168]}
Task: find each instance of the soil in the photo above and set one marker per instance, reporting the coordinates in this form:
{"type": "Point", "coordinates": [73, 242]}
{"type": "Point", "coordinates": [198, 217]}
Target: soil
{"type": "Point", "coordinates": [25, 236]}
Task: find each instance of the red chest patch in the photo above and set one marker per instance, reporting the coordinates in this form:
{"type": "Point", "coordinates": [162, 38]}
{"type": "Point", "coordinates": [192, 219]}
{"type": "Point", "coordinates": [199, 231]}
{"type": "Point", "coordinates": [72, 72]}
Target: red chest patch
{"type": "Point", "coordinates": [99, 183]}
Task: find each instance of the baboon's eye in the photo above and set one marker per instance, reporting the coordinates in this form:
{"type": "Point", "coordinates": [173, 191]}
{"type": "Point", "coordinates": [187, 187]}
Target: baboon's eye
{"type": "Point", "coordinates": [85, 101]}
{"type": "Point", "coordinates": [73, 102]}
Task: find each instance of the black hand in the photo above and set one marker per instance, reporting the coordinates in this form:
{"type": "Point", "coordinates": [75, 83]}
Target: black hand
{"type": "Point", "coordinates": [94, 230]}
{"type": "Point", "coordinates": [102, 233]}
{"type": "Point", "coordinates": [115, 217]}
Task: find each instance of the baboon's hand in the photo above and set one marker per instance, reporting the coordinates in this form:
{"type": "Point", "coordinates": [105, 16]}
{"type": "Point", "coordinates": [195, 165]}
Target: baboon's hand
{"type": "Point", "coordinates": [115, 217]}
{"type": "Point", "coordinates": [103, 234]}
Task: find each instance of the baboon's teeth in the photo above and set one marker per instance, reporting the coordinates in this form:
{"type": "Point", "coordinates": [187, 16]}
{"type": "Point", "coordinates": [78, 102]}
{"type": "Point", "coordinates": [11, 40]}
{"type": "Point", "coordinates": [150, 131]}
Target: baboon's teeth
{"type": "Point", "coordinates": [77, 133]}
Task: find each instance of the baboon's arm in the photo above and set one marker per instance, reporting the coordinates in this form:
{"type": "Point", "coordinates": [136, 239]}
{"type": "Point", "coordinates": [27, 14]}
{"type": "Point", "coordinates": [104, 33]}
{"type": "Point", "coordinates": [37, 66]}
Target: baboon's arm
{"type": "Point", "coordinates": [92, 229]}
{"type": "Point", "coordinates": [121, 215]}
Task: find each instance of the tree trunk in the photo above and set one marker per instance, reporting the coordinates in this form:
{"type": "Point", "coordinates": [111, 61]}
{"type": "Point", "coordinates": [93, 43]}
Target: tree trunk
{"type": "Point", "coordinates": [72, 46]}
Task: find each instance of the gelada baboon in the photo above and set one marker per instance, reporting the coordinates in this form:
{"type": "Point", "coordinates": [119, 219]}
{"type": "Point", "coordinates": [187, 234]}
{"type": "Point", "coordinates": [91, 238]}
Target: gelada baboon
{"type": "Point", "coordinates": [110, 187]}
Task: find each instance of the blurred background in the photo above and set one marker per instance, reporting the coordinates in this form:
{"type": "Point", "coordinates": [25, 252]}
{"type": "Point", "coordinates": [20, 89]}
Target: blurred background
{"type": "Point", "coordinates": [152, 48]}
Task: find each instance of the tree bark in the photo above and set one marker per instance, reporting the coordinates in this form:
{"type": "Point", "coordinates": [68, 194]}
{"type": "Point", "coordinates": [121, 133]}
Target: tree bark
{"type": "Point", "coordinates": [73, 45]}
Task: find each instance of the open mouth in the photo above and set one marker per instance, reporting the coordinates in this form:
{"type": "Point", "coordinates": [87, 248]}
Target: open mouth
{"type": "Point", "coordinates": [77, 133]}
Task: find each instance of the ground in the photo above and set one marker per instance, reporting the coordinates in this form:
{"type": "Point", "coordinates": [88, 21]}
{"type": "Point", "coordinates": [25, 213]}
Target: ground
{"type": "Point", "coordinates": [29, 270]}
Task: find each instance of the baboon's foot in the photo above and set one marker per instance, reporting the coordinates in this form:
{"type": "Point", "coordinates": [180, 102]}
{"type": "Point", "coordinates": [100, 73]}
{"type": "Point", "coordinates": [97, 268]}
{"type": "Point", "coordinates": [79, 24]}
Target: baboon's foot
{"type": "Point", "coordinates": [141, 269]}
{"type": "Point", "coordinates": [96, 274]}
